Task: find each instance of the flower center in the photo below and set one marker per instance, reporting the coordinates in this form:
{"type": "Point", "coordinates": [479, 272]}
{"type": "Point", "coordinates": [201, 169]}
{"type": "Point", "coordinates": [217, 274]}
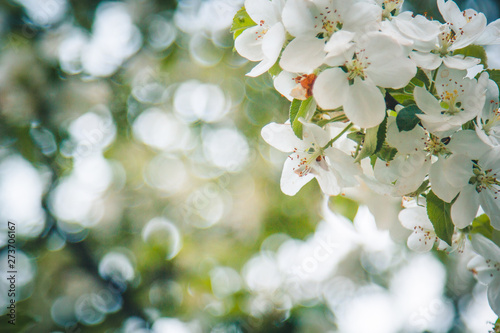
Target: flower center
{"type": "Point", "coordinates": [436, 146]}
{"type": "Point", "coordinates": [485, 180]}
{"type": "Point", "coordinates": [449, 102]}
{"type": "Point", "coordinates": [390, 8]}
{"type": "Point", "coordinates": [262, 31]}
{"type": "Point", "coordinates": [306, 158]}
{"type": "Point", "coordinates": [328, 21]}
{"type": "Point", "coordinates": [356, 67]}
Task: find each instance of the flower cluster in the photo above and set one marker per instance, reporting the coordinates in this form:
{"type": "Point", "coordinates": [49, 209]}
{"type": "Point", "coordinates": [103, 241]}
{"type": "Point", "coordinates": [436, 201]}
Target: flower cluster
{"type": "Point", "coordinates": [401, 102]}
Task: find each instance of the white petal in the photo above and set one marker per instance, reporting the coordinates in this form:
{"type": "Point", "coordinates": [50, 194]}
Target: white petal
{"type": "Point", "coordinates": [494, 295]}
{"type": "Point", "coordinates": [290, 182]}
{"type": "Point", "coordinates": [284, 83]}
{"type": "Point", "coordinates": [262, 10]}
{"type": "Point", "coordinates": [429, 61]}
{"type": "Point", "coordinates": [418, 28]}
{"type": "Point", "coordinates": [365, 104]}
{"type": "Point", "coordinates": [303, 55]}
{"type": "Point", "coordinates": [271, 48]}
{"type": "Point", "coordinates": [327, 181]}
{"type": "Point", "coordinates": [485, 247]}
{"type": "Point", "coordinates": [451, 12]}
{"type": "Point", "coordinates": [491, 207]}
{"type": "Point", "coordinates": [440, 186]}
{"type": "Point", "coordinates": [457, 170]}
{"type": "Point", "coordinates": [418, 242]}
{"type": "Point", "coordinates": [392, 73]}
{"type": "Point", "coordinates": [281, 137]}
{"type": "Point", "coordinates": [468, 143]}
{"type": "Point", "coordinates": [248, 45]}
{"type": "Point", "coordinates": [491, 34]}
{"type": "Point", "coordinates": [297, 17]}
{"type": "Point", "coordinates": [405, 141]}
{"type": "Point", "coordinates": [415, 217]}
{"type": "Point", "coordinates": [330, 88]}
{"type": "Point", "coordinates": [465, 208]}
{"type": "Point", "coordinates": [362, 16]}
{"type": "Point", "coordinates": [479, 266]}
{"type": "Point", "coordinates": [339, 43]}
{"type": "Point", "coordinates": [426, 101]}
{"type": "Point", "coordinates": [459, 62]}
{"type": "Point", "coordinates": [314, 133]}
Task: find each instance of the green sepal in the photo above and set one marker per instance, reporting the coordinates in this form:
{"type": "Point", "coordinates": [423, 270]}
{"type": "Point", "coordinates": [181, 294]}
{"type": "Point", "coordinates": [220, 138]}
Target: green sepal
{"type": "Point", "coordinates": [304, 110]}
{"type": "Point", "coordinates": [373, 140]}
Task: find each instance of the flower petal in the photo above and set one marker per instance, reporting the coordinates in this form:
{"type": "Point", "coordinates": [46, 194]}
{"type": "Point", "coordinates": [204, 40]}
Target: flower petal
{"type": "Point", "coordinates": [271, 47]}
{"type": "Point", "coordinates": [365, 104]}
{"type": "Point", "coordinates": [290, 182]}
{"type": "Point", "coordinates": [415, 217]}
{"type": "Point", "coordinates": [440, 186]}
{"type": "Point", "coordinates": [418, 242]}
{"type": "Point", "coordinates": [494, 295]}
{"type": "Point", "coordinates": [330, 88]}
{"type": "Point", "coordinates": [281, 137]}
{"type": "Point", "coordinates": [491, 206]}
{"type": "Point", "coordinates": [427, 102]}
{"type": "Point", "coordinates": [465, 208]}
{"type": "Point", "coordinates": [429, 61]}
{"type": "Point", "coordinates": [460, 62]}
{"type": "Point", "coordinates": [303, 55]}
{"type": "Point", "coordinates": [485, 247]}
{"type": "Point", "coordinates": [284, 84]}
{"type": "Point", "coordinates": [248, 45]}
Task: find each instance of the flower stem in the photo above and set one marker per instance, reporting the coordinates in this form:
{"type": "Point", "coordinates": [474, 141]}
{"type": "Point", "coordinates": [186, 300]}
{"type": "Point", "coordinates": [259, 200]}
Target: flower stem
{"type": "Point", "coordinates": [338, 136]}
{"type": "Point", "coordinates": [433, 83]}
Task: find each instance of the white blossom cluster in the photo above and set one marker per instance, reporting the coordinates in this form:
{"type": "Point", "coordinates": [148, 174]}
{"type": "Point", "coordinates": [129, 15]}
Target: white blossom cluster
{"type": "Point", "coordinates": [389, 98]}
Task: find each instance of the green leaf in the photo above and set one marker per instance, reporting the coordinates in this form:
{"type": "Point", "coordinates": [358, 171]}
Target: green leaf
{"type": "Point", "coordinates": [386, 153]}
{"type": "Point", "coordinates": [305, 108]}
{"type": "Point", "coordinates": [402, 98]}
{"type": "Point", "coordinates": [275, 70]}
{"type": "Point", "coordinates": [481, 225]}
{"type": "Point", "coordinates": [439, 212]}
{"type": "Point", "coordinates": [422, 77]}
{"type": "Point", "coordinates": [294, 109]}
{"type": "Point", "coordinates": [373, 141]}
{"type": "Point", "coordinates": [356, 137]}
{"type": "Point", "coordinates": [475, 51]}
{"type": "Point", "coordinates": [407, 118]}
{"type": "Point", "coordinates": [241, 21]}
{"type": "Point", "coordinates": [494, 75]}
{"type": "Point", "coordinates": [344, 206]}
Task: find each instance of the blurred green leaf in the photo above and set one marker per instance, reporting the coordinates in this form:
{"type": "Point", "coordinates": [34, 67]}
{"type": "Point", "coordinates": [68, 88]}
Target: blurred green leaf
{"type": "Point", "coordinates": [304, 109]}
{"type": "Point", "coordinates": [344, 206]}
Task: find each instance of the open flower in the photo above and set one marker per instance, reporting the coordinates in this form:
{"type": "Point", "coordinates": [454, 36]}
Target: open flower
{"type": "Point", "coordinates": [264, 41]}
{"type": "Point", "coordinates": [310, 158]}
{"type": "Point", "coordinates": [377, 60]}
{"type": "Point", "coordinates": [423, 237]}
{"type": "Point", "coordinates": [459, 100]}
{"type": "Point", "coordinates": [488, 121]}
{"type": "Point", "coordinates": [314, 23]}
{"type": "Point", "coordinates": [462, 29]}
{"type": "Point", "coordinates": [486, 268]}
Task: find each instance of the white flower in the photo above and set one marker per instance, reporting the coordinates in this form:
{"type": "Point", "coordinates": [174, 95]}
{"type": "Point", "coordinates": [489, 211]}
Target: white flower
{"type": "Point", "coordinates": [264, 41]}
{"type": "Point", "coordinates": [377, 60]}
{"type": "Point", "coordinates": [423, 237]}
{"type": "Point", "coordinates": [453, 168]}
{"type": "Point", "coordinates": [411, 30]}
{"type": "Point", "coordinates": [482, 189]}
{"type": "Point", "coordinates": [407, 170]}
{"type": "Point", "coordinates": [313, 23]}
{"type": "Point", "coordinates": [486, 268]}
{"type": "Point", "coordinates": [462, 29]}
{"type": "Point", "coordinates": [459, 100]}
{"type": "Point", "coordinates": [309, 159]}
{"type": "Point", "coordinates": [488, 121]}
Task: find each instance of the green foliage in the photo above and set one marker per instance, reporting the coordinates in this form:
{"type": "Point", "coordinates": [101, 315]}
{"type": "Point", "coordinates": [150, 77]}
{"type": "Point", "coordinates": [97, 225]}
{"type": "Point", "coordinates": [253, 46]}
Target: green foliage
{"type": "Point", "coordinates": [344, 206]}
{"type": "Point", "coordinates": [275, 70]}
{"type": "Point", "coordinates": [494, 75]}
{"type": "Point", "coordinates": [386, 153]}
{"type": "Point", "coordinates": [307, 106]}
{"type": "Point", "coordinates": [422, 77]}
{"type": "Point", "coordinates": [241, 21]}
{"type": "Point", "coordinates": [407, 118]}
{"type": "Point", "coordinates": [373, 140]}
{"type": "Point", "coordinates": [439, 213]}
{"type": "Point", "coordinates": [294, 109]}
{"type": "Point", "coordinates": [481, 225]}
{"type": "Point", "coordinates": [474, 51]}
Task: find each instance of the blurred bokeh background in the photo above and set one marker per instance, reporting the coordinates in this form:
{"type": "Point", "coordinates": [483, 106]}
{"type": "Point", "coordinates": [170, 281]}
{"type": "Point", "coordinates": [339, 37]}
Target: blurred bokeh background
{"type": "Point", "coordinates": [145, 200]}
